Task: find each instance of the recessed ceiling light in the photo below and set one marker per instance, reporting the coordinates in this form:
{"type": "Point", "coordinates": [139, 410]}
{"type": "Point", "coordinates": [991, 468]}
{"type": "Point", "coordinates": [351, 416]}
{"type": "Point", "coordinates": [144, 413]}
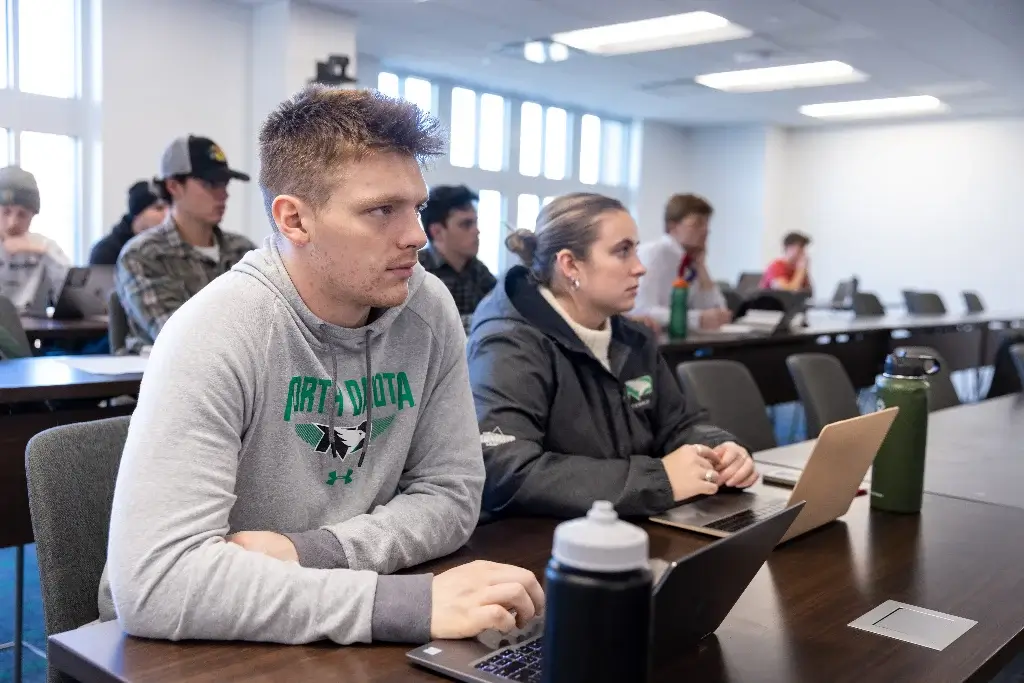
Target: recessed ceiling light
{"type": "Point", "coordinates": [783, 77]}
{"type": "Point", "coordinates": [647, 35]}
{"type": "Point", "coordinates": [541, 51]}
{"type": "Point", "coordinates": [867, 109]}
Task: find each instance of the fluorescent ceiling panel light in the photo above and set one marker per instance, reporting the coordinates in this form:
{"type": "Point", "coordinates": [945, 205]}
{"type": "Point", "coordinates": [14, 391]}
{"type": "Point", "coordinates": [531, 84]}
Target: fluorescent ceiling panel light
{"type": "Point", "coordinates": [647, 35]}
{"type": "Point", "coordinates": [869, 109]}
{"type": "Point", "coordinates": [783, 77]}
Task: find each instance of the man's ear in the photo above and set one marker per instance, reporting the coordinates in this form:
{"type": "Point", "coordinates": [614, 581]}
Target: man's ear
{"type": "Point", "coordinates": [287, 211]}
{"type": "Point", "coordinates": [434, 229]}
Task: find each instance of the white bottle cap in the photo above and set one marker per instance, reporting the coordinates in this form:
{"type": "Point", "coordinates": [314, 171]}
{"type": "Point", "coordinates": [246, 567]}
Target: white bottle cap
{"type": "Point", "coordinates": [601, 542]}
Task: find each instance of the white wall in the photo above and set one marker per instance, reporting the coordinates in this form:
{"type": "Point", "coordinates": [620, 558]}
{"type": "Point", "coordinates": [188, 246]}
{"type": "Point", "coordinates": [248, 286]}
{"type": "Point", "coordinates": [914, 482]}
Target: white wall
{"type": "Point", "coordinates": [171, 68]}
{"type": "Point", "coordinates": [928, 205]}
{"type": "Point", "coordinates": [728, 168]}
{"type": "Point", "coordinates": [662, 166]}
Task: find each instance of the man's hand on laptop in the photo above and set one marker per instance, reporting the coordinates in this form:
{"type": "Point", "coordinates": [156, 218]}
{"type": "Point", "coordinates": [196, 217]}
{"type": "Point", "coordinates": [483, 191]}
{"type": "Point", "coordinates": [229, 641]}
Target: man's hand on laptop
{"type": "Point", "coordinates": [691, 471]}
{"type": "Point", "coordinates": [735, 466]}
{"type": "Point", "coordinates": [481, 595]}
{"type": "Point", "coordinates": [266, 542]}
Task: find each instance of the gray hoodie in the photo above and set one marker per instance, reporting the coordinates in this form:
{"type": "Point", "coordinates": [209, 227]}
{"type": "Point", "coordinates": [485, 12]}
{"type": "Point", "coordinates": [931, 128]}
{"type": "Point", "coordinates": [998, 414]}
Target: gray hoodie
{"type": "Point", "coordinates": [254, 414]}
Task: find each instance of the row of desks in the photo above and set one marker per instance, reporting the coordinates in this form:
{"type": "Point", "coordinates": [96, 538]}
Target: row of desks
{"type": "Point", "coordinates": [962, 555]}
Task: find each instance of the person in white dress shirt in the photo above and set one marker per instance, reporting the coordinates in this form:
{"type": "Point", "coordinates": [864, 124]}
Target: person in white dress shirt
{"type": "Point", "coordinates": [680, 252]}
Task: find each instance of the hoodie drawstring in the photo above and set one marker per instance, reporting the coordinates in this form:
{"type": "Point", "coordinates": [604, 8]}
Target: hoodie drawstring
{"type": "Point", "coordinates": [334, 408]}
{"type": "Point", "coordinates": [369, 402]}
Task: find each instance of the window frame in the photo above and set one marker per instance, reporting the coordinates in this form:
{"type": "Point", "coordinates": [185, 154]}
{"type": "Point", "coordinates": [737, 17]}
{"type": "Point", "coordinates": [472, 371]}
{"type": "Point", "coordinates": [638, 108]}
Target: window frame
{"type": "Point", "coordinates": [509, 182]}
{"type": "Point", "coordinates": [75, 117]}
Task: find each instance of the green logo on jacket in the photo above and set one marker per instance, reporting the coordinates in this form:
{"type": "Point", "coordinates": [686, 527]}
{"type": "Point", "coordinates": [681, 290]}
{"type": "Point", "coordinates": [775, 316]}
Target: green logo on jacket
{"type": "Point", "coordinates": [639, 390]}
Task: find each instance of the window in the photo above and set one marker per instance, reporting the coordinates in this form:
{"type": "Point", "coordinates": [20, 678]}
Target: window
{"type": "Point", "coordinates": [547, 200]}
{"type": "Point", "coordinates": [613, 161]}
{"type": "Point", "coordinates": [490, 219]}
{"type": "Point", "coordinates": [53, 160]}
{"type": "Point", "coordinates": [492, 132]}
{"type": "Point", "coordinates": [420, 92]}
{"type": "Point", "coordinates": [5, 154]}
{"type": "Point", "coordinates": [3, 46]}
{"type": "Point", "coordinates": [388, 84]}
{"type": "Point", "coordinates": [555, 122]}
{"type": "Point", "coordinates": [463, 128]}
{"type": "Point", "coordinates": [48, 47]}
{"type": "Point", "coordinates": [590, 149]}
{"type": "Point", "coordinates": [531, 138]}
{"type": "Point", "coordinates": [527, 209]}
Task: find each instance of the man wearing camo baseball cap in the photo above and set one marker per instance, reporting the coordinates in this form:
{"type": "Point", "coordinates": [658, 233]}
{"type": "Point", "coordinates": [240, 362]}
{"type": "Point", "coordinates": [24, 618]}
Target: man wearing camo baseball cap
{"type": "Point", "coordinates": [165, 266]}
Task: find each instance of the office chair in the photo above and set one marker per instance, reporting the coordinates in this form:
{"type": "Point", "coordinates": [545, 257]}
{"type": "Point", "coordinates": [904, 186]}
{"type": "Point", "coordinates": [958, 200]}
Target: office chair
{"type": "Point", "coordinates": [941, 392]}
{"type": "Point", "coordinates": [728, 392]}
{"type": "Point", "coordinates": [14, 342]}
{"type": "Point", "coordinates": [923, 303]}
{"type": "Point", "coordinates": [973, 302]}
{"type": "Point", "coordinates": [824, 388]}
{"type": "Point", "coordinates": [117, 322]}
{"type": "Point", "coordinates": [1017, 353]}
{"type": "Point", "coordinates": [71, 472]}
{"type": "Point", "coordinates": [748, 282]}
{"type": "Point", "coordinates": [867, 305]}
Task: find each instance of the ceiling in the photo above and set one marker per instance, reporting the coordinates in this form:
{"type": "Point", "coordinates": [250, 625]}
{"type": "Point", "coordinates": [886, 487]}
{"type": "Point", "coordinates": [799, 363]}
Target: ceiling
{"type": "Point", "coordinates": [969, 53]}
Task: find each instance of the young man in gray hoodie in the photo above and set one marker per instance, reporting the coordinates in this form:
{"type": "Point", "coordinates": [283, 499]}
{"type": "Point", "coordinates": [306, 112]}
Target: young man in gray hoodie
{"type": "Point", "coordinates": [305, 426]}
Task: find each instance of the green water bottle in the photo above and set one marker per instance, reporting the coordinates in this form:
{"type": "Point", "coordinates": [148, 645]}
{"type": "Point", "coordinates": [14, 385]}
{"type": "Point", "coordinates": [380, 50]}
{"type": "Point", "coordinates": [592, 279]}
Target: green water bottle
{"type": "Point", "coordinates": [897, 477]}
{"type": "Point", "coordinates": [679, 309]}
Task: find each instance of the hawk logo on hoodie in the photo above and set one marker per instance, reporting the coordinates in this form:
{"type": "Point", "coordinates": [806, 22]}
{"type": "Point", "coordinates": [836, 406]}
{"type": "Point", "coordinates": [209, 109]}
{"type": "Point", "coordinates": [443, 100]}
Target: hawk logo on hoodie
{"type": "Point", "coordinates": [346, 439]}
{"type": "Point", "coordinates": [639, 391]}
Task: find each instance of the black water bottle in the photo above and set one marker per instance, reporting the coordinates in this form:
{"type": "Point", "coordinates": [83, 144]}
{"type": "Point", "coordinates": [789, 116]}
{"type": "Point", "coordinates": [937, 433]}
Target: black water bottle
{"type": "Point", "coordinates": [597, 622]}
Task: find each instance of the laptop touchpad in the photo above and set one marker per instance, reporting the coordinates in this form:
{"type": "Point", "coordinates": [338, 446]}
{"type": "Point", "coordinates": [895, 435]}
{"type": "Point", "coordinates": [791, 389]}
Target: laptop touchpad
{"type": "Point", "coordinates": [711, 508]}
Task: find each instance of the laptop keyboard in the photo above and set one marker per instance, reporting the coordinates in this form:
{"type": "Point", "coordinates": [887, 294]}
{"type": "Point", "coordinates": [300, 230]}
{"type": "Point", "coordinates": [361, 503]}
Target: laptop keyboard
{"type": "Point", "coordinates": [743, 519]}
{"type": "Point", "coordinates": [520, 663]}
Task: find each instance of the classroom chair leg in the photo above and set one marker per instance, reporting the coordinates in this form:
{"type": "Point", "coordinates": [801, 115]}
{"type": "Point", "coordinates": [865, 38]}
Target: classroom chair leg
{"type": "Point", "coordinates": [19, 609]}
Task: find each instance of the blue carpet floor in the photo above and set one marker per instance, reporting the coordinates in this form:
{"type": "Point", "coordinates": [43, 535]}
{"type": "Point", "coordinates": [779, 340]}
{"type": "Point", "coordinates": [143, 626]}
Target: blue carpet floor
{"type": "Point", "coordinates": [33, 666]}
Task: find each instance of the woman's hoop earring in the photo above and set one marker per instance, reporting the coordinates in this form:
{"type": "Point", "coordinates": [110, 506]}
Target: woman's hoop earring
{"type": "Point", "coordinates": [575, 283]}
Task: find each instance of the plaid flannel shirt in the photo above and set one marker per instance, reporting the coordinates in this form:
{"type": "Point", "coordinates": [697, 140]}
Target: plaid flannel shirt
{"type": "Point", "coordinates": [468, 286]}
{"type": "Point", "coordinates": [158, 271]}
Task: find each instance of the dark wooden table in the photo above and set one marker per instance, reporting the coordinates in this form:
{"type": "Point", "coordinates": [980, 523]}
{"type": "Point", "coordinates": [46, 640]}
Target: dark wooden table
{"type": "Point", "coordinates": [47, 329]}
{"type": "Point", "coordinates": [975, 452]}
{"type": "Point", "coordinates": [861, 344]}
{"type": "Point", "coordinates": [26, 385]}
{"type": "Point", "coordinates": [790, 625]}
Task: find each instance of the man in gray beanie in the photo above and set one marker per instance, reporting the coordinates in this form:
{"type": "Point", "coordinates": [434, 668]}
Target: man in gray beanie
{"type": "Point", "coordinates": [31, 265]}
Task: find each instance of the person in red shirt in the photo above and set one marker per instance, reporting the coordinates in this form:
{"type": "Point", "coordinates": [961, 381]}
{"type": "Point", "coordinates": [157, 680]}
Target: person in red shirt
{"type": "Point", "coordinates": [790, 273]}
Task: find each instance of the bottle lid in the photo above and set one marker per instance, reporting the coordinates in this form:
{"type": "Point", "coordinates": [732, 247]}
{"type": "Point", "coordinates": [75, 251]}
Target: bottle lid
{"type": "Point", "coordinates": [680, 283]}
{"type": "Point", "coordinates": [600, 542]}
{"type": "Point", "coordinates": [903, 364]}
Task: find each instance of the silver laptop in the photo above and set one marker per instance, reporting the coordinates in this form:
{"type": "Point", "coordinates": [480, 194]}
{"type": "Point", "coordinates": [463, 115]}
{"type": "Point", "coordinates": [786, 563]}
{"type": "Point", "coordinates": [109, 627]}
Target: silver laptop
{"type": "Point", "coordinates": [829, 483]}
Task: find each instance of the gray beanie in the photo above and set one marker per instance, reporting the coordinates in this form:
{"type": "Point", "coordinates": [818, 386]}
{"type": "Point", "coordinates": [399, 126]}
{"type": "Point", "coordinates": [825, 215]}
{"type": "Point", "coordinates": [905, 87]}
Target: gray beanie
{"type": "Point", "coordinates": [18, 187]}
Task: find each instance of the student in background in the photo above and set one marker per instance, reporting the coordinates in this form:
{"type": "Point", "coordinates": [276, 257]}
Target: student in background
{"type": "Point", "coordinates": [791, 272]}
{"type": "Point", "coordinates": [450, 220]}
{"type": "Point", "coordinates": [169, 264]}
{"type": "Point", "coordinates": [32, 266]}
{"type": "Point", "coordinates": [305, 428]}
{"type": "Point", "coordinates": [146, 209]}
{"type": "Point", "coordinates": [681, 252]}
{"type": "Point", "coordinates": [575, 402]}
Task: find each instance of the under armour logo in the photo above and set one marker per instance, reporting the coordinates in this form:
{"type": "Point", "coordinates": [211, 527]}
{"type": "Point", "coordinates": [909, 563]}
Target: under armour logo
{"type": "Point", "coordinates": [333, 477]}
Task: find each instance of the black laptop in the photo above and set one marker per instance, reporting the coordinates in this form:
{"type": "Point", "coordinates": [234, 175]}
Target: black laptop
{"type": "Point", "coordinates": [84, 294]}
{"type": "Point", "coordinates": [692, 597]}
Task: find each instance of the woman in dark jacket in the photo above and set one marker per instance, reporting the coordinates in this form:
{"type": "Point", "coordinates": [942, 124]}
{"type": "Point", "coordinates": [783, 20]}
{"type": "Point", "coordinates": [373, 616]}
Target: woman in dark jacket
{"type": "Point", "coordinates": [145, 210]}
{"type": "Point", "coordinates": [574, 401]}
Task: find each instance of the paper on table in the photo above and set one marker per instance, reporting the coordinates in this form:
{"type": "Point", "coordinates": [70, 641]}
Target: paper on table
{"type": "Point", "coordinates": [107, 365]}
